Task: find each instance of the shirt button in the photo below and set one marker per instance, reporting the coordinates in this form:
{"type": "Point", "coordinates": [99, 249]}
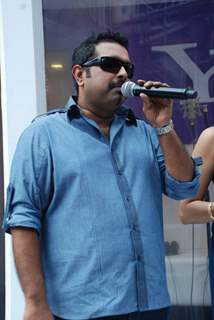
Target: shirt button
{"type": "Point", "coordinates": [128, 198]}
{"type": "Point", "coordinates": [120, 172]}
{"type": "Point", "coordinates": [139, 258]}
{"type": "Point", "coordinates": [134, 227]}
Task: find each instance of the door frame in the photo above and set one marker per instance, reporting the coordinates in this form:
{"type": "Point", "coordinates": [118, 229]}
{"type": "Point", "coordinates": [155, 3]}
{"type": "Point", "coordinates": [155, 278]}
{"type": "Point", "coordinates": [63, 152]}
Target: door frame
{"type": "Point", "coordinates": [23, 97]}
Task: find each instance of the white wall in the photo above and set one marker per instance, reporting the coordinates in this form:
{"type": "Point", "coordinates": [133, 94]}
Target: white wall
{"type": "Point", "coordinates": [23, 97]}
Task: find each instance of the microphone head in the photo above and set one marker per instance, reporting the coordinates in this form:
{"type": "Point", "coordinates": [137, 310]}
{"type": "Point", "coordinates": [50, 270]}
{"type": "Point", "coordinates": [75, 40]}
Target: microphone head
{"type": "Point", "coordinates": [127, 89]}
{"type": "Point", "coordinates": [191, 94]}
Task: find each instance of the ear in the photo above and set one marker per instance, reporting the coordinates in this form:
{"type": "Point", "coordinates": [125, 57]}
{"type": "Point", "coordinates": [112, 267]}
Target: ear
{"type": "Point", "coordinates": [77, 72]}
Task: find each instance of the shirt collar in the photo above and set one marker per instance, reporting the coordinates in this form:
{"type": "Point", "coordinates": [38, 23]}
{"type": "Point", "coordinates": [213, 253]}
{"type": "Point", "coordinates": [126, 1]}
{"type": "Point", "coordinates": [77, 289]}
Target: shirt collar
{"type": "Point", "coordinates": [73, 111]}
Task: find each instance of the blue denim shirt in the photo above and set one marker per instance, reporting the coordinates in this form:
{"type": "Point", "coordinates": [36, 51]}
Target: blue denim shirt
{"type": "Point", "coordinates": [96, 203]}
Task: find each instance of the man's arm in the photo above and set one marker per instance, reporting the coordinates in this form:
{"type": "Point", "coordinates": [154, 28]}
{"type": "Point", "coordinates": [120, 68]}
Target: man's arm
{"type": "Point", "coordinates": [177, 161]}
{"type": "Point", "coordinates": [159, 113]}
{"type": "Point", "coordinates": [26, 248]}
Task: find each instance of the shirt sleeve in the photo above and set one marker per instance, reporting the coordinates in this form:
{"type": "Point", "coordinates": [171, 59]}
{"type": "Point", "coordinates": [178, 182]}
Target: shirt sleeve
{"type": "Point", "coordinates": [172, 187]}
{"type": "Point", "coordinates": [30, 186]}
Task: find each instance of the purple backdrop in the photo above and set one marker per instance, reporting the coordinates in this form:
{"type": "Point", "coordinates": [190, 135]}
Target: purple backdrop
{"type": "Point", "coordinates": [170, 42]}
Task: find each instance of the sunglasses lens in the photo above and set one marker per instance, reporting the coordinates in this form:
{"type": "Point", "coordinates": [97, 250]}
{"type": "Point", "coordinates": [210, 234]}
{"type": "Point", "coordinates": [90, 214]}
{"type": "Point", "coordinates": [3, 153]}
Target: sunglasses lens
{"type": "Point", "coordinates": [114, 65]}
{"type": "Point", "coordinates": [110, 64]}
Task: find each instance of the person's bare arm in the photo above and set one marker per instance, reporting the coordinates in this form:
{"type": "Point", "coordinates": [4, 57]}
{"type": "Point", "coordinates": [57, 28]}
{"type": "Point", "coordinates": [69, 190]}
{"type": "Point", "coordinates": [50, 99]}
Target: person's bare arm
{"type": "Point", "coordinates": [196, 210]}
{"type": "Point", "coordinates": [26, 248]}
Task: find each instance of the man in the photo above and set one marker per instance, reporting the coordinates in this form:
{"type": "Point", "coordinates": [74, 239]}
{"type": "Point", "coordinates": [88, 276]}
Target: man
{"type": "Point", "coordinates": [84, 203]}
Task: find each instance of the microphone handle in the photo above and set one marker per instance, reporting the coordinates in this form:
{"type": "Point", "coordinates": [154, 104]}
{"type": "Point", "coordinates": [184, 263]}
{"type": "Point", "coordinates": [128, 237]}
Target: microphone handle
{"type": "Point", "coordinates": [166, 92]}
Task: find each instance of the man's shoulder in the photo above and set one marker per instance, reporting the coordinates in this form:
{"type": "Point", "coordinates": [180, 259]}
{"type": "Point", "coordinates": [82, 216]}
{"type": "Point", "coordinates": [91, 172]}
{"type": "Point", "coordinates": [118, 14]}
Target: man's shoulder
{"type": "Point", "coordinates": [52, 112]}
{"type": "Point", "coordinates": [39, 127]}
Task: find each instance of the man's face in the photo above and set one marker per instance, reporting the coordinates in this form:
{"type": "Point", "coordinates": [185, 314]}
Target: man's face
{"type": "Point", "coordinates": [101, 88]}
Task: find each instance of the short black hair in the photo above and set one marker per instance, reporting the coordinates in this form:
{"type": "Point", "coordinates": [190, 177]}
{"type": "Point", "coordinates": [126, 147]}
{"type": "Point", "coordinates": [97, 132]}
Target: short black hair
{"type": "Point", "coordinates": [87, 48]}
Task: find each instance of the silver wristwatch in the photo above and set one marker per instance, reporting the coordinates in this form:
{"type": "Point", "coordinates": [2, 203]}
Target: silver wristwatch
{"type": "Point", "coordinates": [166, 129]}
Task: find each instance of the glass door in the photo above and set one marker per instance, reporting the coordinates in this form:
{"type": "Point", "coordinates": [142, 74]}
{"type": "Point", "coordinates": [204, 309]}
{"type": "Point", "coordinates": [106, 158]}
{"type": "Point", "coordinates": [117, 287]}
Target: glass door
{"type": "Point", "coordinates": [2, 251]}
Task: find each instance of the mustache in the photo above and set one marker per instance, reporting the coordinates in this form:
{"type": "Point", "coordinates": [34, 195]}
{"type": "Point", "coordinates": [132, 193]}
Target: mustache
{"type": "Point", "coordinates": [116, 84]}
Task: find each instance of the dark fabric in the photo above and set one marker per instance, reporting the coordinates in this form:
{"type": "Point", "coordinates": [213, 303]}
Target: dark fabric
{"type": "Point", "coordinates": [148, 315]}
{"type": "Point", "coordinates": [190, 312]}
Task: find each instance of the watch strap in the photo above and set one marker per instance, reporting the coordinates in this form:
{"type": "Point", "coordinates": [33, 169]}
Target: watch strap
{"type": "Point", "coordinates": [166, 129]}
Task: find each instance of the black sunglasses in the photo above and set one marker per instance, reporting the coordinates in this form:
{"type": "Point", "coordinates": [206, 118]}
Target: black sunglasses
{"type": "Point", "coordinates": [111, 64]}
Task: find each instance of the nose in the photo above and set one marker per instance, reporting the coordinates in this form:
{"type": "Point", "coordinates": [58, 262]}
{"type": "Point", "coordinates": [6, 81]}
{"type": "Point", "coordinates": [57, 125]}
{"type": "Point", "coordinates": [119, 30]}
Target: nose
{"type": "Point", "coordinates": [122, 73]}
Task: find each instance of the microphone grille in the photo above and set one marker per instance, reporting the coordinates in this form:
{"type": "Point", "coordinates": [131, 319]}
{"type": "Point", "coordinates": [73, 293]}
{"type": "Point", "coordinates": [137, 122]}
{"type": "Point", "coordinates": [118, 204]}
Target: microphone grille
{"type": "Point", "coordinates": [127, 89]}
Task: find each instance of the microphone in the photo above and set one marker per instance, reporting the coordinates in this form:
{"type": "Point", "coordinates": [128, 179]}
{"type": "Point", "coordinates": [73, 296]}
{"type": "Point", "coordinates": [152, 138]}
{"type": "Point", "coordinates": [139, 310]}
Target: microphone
{"type": "Point", "coordinates": [130, 89]}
